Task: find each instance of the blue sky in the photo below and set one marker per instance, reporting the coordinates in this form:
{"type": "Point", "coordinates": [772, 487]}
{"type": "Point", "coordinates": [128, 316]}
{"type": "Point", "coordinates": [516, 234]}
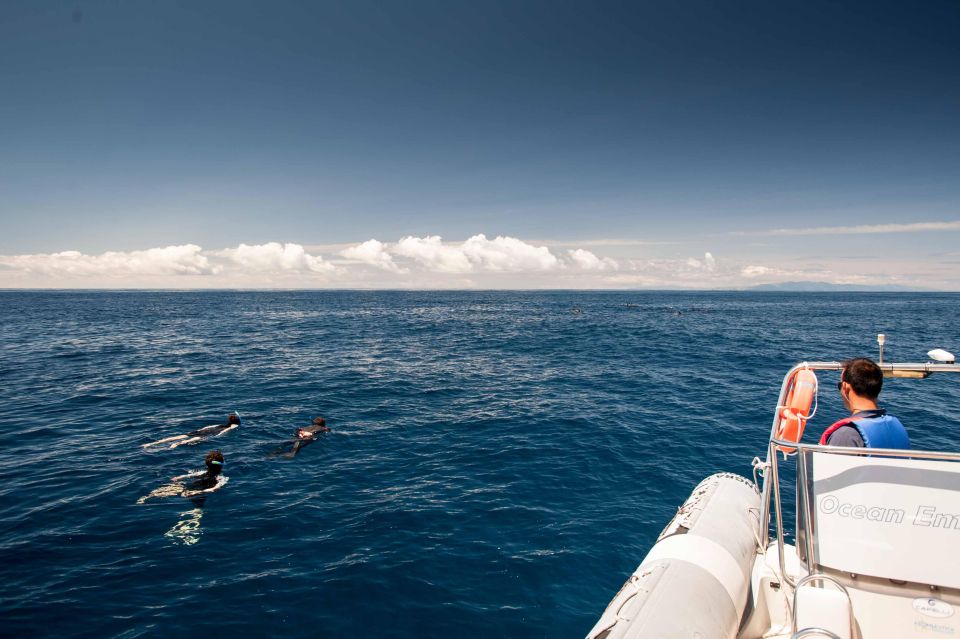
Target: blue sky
{"type": "Point", "coordinates": [646, 134]}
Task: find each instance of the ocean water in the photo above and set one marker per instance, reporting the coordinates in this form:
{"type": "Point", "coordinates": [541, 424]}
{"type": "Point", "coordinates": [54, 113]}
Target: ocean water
{"type": "Point", "coordinates": [499, 462]}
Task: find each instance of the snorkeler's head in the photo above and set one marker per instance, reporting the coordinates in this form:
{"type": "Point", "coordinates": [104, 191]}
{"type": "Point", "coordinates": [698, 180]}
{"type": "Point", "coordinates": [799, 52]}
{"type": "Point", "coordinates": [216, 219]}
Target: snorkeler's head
{"type": "Point", "coordinates": [319, 421]}
{"type": "Point", "coordinates": [233, 418]}
{"type": "Point", "coordinates": [214, 461]}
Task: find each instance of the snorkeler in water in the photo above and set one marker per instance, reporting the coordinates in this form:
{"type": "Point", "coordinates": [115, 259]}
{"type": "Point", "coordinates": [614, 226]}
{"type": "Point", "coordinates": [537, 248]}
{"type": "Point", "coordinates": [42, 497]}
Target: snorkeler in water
{"type": "Point", "coordinates": [194, 436]}
{"type": "Point", "coordinates": [318, 426]}
{"type": "Point", "coordinates": [304, 437]}
{"type": "Point", "coordinates": [208, 480]}
{"type": "Point", "coordinates": [187, 530]}
{"type": "Point", "coordinates": [203, 481]}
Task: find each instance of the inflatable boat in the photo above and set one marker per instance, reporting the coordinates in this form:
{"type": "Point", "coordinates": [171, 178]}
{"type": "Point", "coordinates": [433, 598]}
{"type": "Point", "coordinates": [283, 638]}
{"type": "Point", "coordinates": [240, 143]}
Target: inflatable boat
{"type": "Point", "coordinates": [875, 552]}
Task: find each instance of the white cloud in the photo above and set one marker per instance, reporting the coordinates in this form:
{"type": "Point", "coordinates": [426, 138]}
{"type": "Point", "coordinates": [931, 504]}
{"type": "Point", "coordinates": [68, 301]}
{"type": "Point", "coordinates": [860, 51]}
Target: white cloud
{"type": "Point", "coordinates": [708, 263]}
{"type": "Point", "coordinates": [434, 254]}
{"type": "Point", "coordinates": [914, 227]}
{"type": "Point", "coordinates": [185, 259]}
{"type": "Point", "coordinates": [755, 271]}
{"type": "Point", "coordinates": [428, 262]}
{"type": "Point", "coordinates": [508, 254]}
{"type": "Point", "coordinates": [274, 257]}
{"type": "Point", "coordinates": [374, 253]}
{"type": "Point", "coordinates": [589, 262]}
{"type": "Point", "coordinates": [501, 254]}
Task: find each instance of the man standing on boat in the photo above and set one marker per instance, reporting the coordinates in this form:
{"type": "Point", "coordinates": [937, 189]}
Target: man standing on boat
{"type": "Point", "coordinates": [868, 426]}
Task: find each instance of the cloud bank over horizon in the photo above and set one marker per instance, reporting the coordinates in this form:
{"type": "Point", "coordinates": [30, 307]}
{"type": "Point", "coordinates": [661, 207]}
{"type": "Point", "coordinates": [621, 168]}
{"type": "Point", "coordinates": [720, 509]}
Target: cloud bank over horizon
{"type": "Point", "coordinates": [418, 262]}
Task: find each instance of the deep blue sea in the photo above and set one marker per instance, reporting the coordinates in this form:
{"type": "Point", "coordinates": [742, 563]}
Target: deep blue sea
{"type": "Point", "coordinates": [499, 462]}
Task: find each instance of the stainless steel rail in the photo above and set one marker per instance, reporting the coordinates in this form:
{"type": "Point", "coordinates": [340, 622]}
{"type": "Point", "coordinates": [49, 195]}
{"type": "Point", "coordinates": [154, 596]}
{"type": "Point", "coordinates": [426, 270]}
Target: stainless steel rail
{"type": "Point", "coordinates": [814, 632]}
{"type": "Point", "coordinates": [824, 579]}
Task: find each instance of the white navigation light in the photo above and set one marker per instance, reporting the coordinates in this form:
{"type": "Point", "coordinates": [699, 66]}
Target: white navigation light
{"type": "Point", "coordinates": [942, 356]}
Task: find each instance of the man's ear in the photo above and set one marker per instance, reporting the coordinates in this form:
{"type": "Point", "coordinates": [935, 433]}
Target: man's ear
{"type": "Point", "coordinates": [845, 391]}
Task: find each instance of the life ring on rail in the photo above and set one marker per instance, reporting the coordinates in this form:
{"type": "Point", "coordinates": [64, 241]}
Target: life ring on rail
{"type": "Point", "coordinates": [801, 390]}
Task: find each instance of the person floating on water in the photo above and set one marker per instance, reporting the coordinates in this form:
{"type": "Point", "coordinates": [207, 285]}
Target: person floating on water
{"type": "Point", "coordinates": [209, 480]}
{"type": "Point", "coordinates": [194, 436]}
{"type": "Point", "coordinates": [187, 530]}
{"type": "Point", "coordinates": [304, 437]}
{"type": "Point", "coordinates": [204, 481]}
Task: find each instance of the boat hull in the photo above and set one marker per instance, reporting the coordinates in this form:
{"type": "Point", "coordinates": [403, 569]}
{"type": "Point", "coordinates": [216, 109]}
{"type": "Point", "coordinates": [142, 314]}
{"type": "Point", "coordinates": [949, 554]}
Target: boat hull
{"type": "Point", "coordinates": [695, 580]}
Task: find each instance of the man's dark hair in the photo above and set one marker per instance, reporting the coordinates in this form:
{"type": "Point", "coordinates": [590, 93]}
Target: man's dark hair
{"type": "Point", "coordinates": [864, 376]}
{"type": "Point", "coordinates": [212, 456]}
{"type": "Point", "coordinates": [233, 418]}
{"type": "Point", "coordinates": [319, 421]}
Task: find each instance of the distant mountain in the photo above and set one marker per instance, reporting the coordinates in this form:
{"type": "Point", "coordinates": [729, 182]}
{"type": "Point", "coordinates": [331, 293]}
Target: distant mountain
{"type": "Point", "coordinates": [824, 287]}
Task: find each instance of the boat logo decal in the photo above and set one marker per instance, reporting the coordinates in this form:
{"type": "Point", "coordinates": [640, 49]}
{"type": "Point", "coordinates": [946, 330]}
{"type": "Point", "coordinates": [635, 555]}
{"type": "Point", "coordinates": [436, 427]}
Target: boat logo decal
{"type": "Point", "coordinates": [933, 608]}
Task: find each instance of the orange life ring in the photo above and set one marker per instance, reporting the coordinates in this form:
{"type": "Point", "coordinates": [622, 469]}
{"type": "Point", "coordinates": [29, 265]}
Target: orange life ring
{"type": "Point", "coordinates": [794, 414]}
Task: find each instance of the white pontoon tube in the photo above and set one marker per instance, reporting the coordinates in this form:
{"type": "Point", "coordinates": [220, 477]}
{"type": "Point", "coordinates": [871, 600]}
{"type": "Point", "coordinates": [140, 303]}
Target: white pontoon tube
{"type": "Point", "coordinates": [694, 582]}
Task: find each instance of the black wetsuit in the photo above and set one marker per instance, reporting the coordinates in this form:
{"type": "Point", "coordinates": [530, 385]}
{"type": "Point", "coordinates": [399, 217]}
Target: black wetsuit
{"type": "Point", "coordinates": [206, 481]}
{"type": "Point", "coordinates": [301, 442]}
{"type": "Point", "coordinates": [210, 431]}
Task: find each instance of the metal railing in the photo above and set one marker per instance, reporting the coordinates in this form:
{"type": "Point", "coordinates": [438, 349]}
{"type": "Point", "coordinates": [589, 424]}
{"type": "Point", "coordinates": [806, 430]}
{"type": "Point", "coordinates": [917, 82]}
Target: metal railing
{"type": "Point", "coordinates": [823, 579]}
{"type": "Point", "coordinates": [814, 632]}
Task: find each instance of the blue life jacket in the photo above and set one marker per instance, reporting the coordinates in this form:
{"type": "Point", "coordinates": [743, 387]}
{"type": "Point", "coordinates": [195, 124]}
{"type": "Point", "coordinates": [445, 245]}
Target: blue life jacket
{"type": "Point", "coordinates": [876, 428]}
{"type": "Point", "coordinates": [884, 431]}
